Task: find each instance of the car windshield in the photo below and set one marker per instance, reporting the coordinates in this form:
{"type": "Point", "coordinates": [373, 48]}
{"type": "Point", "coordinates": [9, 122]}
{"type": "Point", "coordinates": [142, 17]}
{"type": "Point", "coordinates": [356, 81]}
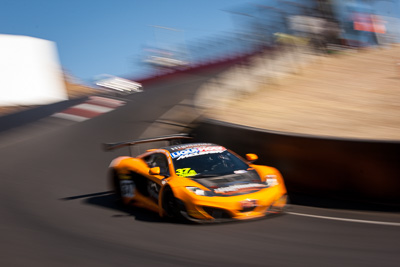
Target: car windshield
{"type": "Point", "coordinates": [208, 165]}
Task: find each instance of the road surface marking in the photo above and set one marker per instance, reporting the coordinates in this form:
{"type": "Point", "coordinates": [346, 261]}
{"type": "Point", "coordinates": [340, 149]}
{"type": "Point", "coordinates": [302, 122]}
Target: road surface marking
{"type": "Point", "coordinates": [91, 108]}
{"type": "Point", "coordinates": [344, 219]}
{"type": "Point", "coordinates": [69, 117]}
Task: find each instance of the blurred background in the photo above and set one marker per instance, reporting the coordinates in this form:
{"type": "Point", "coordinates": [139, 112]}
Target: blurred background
{"type": "Point", "coordinates": [137, 40]}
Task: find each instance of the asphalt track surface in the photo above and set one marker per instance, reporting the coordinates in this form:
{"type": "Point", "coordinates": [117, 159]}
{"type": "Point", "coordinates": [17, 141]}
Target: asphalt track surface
{"type": "Point", "coordinates": [56, 208]}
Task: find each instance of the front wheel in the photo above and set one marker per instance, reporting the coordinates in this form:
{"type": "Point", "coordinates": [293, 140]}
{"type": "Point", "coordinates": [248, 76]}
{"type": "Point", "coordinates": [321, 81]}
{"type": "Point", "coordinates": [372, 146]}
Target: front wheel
{"type": "Point", "coordinates": [172, 206]}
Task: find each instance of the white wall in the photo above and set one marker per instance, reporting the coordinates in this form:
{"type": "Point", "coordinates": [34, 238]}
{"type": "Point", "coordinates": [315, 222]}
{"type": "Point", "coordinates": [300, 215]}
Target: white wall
{"type": "Point", "coordinates": [30, 72]}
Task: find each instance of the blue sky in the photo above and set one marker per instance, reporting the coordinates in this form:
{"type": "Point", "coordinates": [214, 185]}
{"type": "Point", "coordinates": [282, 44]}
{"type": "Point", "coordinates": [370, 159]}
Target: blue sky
{"type": "Point", "coordinates": [103, 36]}
{"type": "Point", "coordinates": [96, 37]}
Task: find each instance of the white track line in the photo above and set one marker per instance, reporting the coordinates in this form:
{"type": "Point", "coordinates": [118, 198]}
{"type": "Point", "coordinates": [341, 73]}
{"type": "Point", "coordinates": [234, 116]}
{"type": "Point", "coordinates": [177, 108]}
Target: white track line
{"type": "Point", "coordinates": [107, 100]}
{"type": "Point", "coordinates": [94, 108]}
{"type": "Point", "coordinates": [69, 117]}
{"type": "Point", "coordinates": [344, 219]}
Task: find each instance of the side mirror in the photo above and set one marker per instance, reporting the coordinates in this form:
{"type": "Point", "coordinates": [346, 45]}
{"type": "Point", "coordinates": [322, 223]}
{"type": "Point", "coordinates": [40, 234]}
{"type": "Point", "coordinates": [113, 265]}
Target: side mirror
{"type": "Point", "coordinates": [251, 157]}
{"type": "Point", "coordinates": [154, 171]}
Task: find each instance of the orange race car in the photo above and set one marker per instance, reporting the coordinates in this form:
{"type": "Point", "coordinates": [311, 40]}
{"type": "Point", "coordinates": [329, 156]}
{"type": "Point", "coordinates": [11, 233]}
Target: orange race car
{"type": "Point", "coordinates": [199, 182]}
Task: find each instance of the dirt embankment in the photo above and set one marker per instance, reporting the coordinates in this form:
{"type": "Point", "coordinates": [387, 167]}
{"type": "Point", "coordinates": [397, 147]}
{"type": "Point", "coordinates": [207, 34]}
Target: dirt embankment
{"type": "Point", "coordinates": [348, 95]}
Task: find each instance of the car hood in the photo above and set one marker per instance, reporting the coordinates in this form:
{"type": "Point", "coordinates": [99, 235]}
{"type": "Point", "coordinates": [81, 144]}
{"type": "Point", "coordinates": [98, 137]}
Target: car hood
{"type": "Point", "coordinates": [240, 183]}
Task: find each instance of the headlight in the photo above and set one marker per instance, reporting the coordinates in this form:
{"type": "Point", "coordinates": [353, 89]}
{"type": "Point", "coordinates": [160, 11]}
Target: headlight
{"type": "Point", "coordinates": [271, 180]}
{"type": "Point", "coordinates": [197, 191]}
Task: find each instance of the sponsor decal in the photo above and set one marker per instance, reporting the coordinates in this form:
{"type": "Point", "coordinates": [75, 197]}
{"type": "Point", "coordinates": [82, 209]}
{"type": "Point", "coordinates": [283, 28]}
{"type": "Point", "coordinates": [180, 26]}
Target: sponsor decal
{"type": "Point", "coordinates": [196, 151]}
{"type": "Point", "coordinates": [248, 203]}
{"type": "Point", "coordinates": [127, 188]}
{"type": "Point", "coordinates": [179, 147]}
{"type": "Point", "coordinates": [233, 188]}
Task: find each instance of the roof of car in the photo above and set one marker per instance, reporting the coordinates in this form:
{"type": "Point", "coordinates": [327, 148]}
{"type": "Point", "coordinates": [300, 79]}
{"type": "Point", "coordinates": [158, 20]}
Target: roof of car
{"type": "Point", "coordinates": [179, 147]}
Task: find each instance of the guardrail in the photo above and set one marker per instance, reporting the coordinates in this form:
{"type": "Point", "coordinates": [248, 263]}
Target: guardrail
{"type": "Point", "coordinates": [350, 169]}
{"type": "Point", "coordinates": [203, 66]}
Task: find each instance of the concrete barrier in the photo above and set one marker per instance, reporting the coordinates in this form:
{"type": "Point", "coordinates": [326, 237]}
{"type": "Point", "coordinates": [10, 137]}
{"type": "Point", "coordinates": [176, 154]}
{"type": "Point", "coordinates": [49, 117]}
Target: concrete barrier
{"type": "Point", "coordinates": [360, 170]}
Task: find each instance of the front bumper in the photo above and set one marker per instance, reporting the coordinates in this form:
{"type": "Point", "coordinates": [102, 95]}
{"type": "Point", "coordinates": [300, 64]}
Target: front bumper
{"type": "Point", "coordinates": [244, 207]}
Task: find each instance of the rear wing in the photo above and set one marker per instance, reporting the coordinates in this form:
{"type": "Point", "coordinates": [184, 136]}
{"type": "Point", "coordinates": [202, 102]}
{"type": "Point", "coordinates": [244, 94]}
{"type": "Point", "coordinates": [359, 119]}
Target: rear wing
{"type": "Point", "coordinates": [112, 146]}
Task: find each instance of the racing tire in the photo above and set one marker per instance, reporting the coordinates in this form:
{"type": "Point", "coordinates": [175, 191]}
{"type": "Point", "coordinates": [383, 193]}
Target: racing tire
{"type": "Point", "coordinates": [172, 206]}
{"type": "Point", "coordinates": [115, 185]}
{"type": "Point", "coordinates": [281, 210]}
